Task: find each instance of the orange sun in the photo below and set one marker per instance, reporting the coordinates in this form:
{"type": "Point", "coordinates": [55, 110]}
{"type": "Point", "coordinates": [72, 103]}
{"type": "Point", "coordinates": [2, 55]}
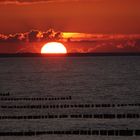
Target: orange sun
{"type": "Point", "coordinates": [53, 47]}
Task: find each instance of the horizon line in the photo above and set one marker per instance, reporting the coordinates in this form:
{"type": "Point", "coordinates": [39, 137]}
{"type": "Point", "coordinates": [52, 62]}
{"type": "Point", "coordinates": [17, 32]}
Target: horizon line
{"type": "Point", "coordinates": [28, 54]}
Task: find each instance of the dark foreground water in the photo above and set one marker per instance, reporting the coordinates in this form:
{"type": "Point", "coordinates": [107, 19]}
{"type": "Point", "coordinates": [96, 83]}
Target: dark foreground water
{"type": "Point", "coordinates": [68, 94]}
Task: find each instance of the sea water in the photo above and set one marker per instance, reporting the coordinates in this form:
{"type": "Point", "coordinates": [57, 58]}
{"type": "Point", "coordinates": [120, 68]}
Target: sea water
{"type": "Point", "coordinates": [94, 81]}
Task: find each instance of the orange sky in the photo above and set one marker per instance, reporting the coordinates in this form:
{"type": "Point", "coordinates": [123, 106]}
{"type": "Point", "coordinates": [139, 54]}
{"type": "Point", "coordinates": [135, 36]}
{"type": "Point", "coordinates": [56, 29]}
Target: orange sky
{"type": "Point", "coordinates": [86, 16]}
{"type": "Point", "coordinates": [89, 25]}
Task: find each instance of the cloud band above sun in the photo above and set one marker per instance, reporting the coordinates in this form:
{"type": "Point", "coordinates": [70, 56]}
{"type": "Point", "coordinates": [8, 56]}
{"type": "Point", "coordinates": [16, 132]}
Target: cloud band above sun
{"type": "Point", "coordinates": [32, 36]}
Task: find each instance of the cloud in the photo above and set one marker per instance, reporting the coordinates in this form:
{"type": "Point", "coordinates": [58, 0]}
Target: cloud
{"type": "Point", "coordinates": [33, 40]}
{"type": "Point", "coordinates": [32, 1]}
{"type": "Point", "coordinates": [23, 1]}
{"type": "Point", "coordinates": [105, 43]}
{"type": "Point", "coordinates": [32, 36]}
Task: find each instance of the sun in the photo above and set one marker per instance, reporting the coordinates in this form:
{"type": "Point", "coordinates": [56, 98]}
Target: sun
{"type": "Point", "coordinates": [53, 47]}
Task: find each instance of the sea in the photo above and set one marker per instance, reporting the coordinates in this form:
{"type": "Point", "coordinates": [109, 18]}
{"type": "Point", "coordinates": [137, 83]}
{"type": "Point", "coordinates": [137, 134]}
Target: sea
{"type": "Point", "coordinates": [54, 98]}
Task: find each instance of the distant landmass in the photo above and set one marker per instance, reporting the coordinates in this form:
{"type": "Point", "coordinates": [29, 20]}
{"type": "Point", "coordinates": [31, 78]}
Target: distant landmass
{"type": "Point", "coordinates": [68, 54]}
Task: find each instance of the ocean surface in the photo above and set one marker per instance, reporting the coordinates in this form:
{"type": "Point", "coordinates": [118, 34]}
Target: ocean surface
{"type": "Point", "coordinates": [57, 88]}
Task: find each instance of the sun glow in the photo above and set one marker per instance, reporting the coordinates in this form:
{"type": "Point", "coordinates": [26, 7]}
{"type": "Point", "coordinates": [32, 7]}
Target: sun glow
{"type": "Point", "coordinates": [53, 47]}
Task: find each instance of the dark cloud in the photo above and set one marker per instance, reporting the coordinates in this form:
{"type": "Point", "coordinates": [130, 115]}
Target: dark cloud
{"type": "Point", "coordinates": [24, 1]}
{"type": "Point", "coordinates": [32, 36]}
{"type": "Point", "coordinates": [31, 1]}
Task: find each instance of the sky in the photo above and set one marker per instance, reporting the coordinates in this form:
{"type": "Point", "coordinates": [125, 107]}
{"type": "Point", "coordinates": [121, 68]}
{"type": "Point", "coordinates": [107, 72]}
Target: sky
{"type": "Point", "coordinates": [90, 16]}
{"type": "Point", "coordinates": [83, 17]}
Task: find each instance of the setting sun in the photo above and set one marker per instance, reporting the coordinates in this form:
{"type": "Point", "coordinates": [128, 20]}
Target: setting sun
{"type": "Point", "coordinates": [53, 47]}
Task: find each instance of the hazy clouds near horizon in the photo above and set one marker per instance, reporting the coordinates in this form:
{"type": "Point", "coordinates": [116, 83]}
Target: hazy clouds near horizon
{"type": "Point", "coordinates": [33, 41]}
